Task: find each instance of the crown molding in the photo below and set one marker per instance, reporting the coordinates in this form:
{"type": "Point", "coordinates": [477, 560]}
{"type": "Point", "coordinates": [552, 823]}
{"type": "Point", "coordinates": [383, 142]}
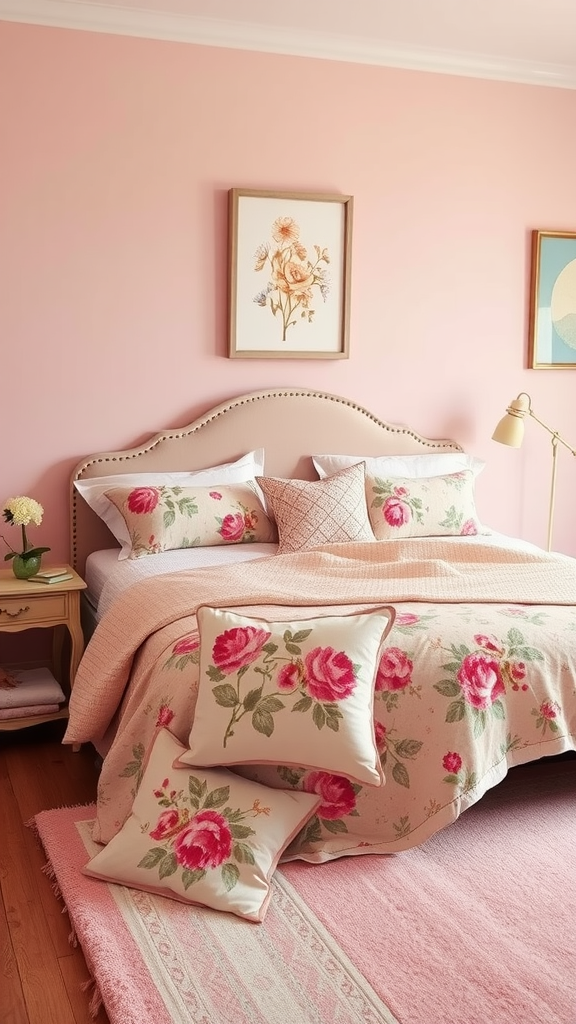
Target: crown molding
{"type": "Point", "coordinates": [117, 20]}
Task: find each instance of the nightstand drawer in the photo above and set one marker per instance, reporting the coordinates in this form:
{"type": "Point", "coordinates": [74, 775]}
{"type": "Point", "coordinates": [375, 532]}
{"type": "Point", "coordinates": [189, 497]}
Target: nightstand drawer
{"type": "Point", "coordinates": [25, 609]}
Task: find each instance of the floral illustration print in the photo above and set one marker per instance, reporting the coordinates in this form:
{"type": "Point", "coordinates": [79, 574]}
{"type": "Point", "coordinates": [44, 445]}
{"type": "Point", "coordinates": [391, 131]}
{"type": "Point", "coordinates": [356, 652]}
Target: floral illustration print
{"type": "Point", "coordinates": [234, 527]}
{"type": "Point", "coordinates": [398, 751]}
{"type": "Point", "coordinates": [184, 652]}
{"type": "Point", "coordinates": [165, 715]}
{"type": "Point", "coordinates": [338, 800]}
{"type": "Point", "coordinates": [457, 774]}
{"type": "Point", "coordinates": [319, 679]}
{"type": "Point", "coordinates": [546, 716]}
{"type": "Point", "coordinates": [293, 275]}
{"type": "Point", "coordinates": [479, 677]}
{"type": "Point", "coordinates": [394, 676]}
{"type": "Point", "coordinates": [394, 670]}
{"type": "Point", "coordinates": [398, 508]}
{"type": "Point", "coordinates": [194, 836]}
{"type": "Point", "coordinates": [405, 622]}
{"type": "Point", "coordinates": [143, 500]}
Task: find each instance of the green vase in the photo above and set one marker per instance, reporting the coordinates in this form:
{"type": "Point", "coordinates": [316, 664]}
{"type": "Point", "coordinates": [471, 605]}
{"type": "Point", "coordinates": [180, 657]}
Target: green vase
{"type": "Point", "coordinates": [24, 568]}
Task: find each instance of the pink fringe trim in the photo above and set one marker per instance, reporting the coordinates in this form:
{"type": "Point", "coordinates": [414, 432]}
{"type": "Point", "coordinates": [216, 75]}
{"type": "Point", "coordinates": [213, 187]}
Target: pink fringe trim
{"type": "Point", "coordinates": [96, 997]}
{"type": "Point", "coordinates": [47, 869]}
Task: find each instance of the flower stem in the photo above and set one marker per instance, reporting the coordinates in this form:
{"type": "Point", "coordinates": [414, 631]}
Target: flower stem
{"type": "Point", "coordinates": [24, 540]}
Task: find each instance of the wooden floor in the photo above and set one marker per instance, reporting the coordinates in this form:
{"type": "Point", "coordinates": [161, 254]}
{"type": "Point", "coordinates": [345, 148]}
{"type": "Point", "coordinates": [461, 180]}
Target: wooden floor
{"type": "Point", "coordinates": [40, 972]}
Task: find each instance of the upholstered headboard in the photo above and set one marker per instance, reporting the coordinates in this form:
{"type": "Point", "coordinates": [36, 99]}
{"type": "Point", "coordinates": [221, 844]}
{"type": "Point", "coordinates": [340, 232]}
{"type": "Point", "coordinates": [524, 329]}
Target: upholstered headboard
{"type": "Point", "coordinates": [291, 424]}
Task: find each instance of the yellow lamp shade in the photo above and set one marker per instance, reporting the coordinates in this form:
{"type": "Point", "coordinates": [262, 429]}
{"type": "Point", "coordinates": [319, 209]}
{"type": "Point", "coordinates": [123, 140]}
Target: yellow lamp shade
{"type": "Point", "coordinates": [510, 429]}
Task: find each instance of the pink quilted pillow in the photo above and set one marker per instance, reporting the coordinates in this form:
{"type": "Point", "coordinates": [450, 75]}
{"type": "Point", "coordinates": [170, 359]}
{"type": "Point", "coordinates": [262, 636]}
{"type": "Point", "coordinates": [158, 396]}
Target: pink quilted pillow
{"type": "Point", "coordinates": [311, 513]}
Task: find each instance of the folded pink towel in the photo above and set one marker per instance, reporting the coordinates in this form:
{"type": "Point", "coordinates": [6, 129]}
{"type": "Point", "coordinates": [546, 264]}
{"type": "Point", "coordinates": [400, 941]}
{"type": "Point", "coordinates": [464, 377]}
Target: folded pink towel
{"type": "Point", "coordinates": [29, 687]}
{"type": "Point", "coordinates": [28, 712]}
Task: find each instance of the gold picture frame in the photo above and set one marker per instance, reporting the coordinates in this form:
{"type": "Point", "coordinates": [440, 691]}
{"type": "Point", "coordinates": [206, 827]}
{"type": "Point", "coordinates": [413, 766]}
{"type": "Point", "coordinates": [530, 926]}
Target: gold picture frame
{"type": "Point", "coordinates": [289, 274]}
{"type": "Point", "coordinates": [552, 321]}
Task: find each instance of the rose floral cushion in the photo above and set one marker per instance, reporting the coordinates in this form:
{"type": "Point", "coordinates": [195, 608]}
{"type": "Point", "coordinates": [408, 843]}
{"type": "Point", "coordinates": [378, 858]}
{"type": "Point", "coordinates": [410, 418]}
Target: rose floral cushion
{"type": "Point", "coordinates": [427, 507]}
{"type": "Point", "coordinates": [202, 836]}
{"type": "Point", "coordinates": [299, 693]}
{"type": "Point", "coordinates": [93, 489]}
{"type": "Point", "coordinates": [311, 513]}
{"type": "Point", "coordinates": [164, 518]}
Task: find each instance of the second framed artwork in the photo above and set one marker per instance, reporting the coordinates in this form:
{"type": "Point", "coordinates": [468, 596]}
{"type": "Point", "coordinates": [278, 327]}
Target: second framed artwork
{"type": "Point", "coordinates": [552, 340]}
{"type": "Point", "coordinates": [289, 274]}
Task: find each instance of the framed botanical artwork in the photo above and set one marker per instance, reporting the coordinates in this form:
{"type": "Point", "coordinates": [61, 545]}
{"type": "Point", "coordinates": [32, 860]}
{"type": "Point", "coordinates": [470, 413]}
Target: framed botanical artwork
{"type": "Point", "coordinates": [552, 337]}
{"type": "Point", "coordinates": [289, 274]}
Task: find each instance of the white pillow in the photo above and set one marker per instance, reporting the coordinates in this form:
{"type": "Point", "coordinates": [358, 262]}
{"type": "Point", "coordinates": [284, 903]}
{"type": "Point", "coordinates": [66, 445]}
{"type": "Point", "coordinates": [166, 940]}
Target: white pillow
{"type": "Point", "coordinates": [297, 693]}
{"type": "Point", "coordinates": [413, 466]}
{"type": "Point", "coordinates": [93, 489]}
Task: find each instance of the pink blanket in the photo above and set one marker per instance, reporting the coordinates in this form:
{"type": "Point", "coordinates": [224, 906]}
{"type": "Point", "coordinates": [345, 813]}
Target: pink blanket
{"type": "Point", "coordinates": [477, 675]}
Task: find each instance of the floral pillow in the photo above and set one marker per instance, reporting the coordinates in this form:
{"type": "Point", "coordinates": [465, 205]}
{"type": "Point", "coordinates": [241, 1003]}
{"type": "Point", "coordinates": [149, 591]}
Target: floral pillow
{"type": "Point", "coordinates": [162, 518]}
{"type": "Point", "coordinates": [93, 489]}
{"type": "Point", "coordinates": [426, 507]}
{"type": "Point", "coordinates": [311, 513]}
{"type": "Point", "coordinates": [203, 836]}
{"type": "Point", "coordinates": [293, 693]}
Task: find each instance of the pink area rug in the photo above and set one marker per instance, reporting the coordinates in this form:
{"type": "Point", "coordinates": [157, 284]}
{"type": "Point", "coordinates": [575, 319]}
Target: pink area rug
{"type": "Point", "coordinates": [477, 926]}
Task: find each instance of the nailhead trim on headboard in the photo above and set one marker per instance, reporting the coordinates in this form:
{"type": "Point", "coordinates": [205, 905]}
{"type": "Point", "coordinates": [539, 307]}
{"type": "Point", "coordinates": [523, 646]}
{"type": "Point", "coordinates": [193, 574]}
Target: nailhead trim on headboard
{"type": "Point", "coordinates": [222, 410]}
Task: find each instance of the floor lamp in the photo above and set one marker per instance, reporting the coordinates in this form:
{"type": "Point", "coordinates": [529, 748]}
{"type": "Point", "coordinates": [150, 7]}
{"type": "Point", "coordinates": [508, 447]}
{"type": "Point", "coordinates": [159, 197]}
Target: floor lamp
{"type": "Point", "coordinates": [510, 431]}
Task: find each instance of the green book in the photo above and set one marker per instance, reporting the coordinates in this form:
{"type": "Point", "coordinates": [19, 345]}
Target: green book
{"type": "Point", "coordinates": [39, 578]}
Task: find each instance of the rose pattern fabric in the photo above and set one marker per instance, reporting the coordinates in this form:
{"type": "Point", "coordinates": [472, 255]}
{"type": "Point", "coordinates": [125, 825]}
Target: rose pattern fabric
{"type": "Point", "coordinates": [193, 836]}
{"type": "Point", "coordinates": [143, 500]}
{"type": "Point", "coordinates": [321, 678]}
{"type": "Point", "coordinates": [205, 843]}
{"type": "Point", "coordinates": [452, 762]}
{"type": "Point", "coordinates": [480, 678]}
{"type": "Point", "coordinates": [424, 507]}
{"type": "Point", "coordinates": [165, 715]}
{"type": "Point", "coordinates": [395, 510]}
{"type": "Point", "coordinates": [239, 647]}
{"type": "Point", "coordinates": [166, 518]}
{"type": "Point", "coordinates": [338, 794]}
{"type": "Point", "coordinates": [394, 670]}
{"type": "Point", "coordinates": [233, 527]}
{"type": "Point", "coordinates": [329, 674]}
{"type": "Point", "coordinates": [416, 725]}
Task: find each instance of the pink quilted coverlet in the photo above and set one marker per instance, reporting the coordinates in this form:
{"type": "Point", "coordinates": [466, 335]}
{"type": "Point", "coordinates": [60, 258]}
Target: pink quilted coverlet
{"type": "Point", "coordinates": [478, 674]}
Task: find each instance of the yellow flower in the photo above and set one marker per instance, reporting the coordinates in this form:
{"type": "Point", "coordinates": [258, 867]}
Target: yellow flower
{"type": "Point", "coordinates": [23, 511]}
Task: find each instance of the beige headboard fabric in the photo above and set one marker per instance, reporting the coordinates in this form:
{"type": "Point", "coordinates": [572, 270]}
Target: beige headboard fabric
{"type": "Point", "coordinates": [291, 424]}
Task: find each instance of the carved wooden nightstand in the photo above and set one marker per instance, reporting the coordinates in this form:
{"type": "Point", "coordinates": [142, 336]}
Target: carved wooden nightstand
{"type": "Point", "coordinates": [28, 605]}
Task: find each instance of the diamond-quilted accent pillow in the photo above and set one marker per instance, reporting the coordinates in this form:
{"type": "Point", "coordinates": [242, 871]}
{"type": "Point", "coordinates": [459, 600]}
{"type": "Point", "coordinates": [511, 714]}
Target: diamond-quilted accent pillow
{"type": "Point", "coordinates": [311, 513]}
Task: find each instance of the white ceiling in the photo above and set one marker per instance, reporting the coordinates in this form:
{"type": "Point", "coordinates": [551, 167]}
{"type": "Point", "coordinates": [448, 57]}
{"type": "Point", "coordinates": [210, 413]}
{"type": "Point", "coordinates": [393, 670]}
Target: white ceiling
{"type": "Point", "coordinates": [532, 41]}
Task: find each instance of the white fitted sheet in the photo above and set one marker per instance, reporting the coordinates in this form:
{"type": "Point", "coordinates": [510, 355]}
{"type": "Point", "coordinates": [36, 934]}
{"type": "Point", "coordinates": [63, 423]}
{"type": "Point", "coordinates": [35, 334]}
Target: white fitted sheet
{"type": "Point", "coordinates": [107, 576]}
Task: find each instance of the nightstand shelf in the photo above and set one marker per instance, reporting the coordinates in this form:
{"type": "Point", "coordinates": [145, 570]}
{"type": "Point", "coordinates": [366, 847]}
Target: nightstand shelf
{"type": "Point", "coordinates": [28, 605]}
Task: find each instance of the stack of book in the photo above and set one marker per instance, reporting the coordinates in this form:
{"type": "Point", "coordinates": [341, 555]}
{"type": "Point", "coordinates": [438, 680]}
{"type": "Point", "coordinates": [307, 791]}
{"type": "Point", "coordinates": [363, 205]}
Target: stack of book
{"type": "Point", "coordinates": [51, 576]}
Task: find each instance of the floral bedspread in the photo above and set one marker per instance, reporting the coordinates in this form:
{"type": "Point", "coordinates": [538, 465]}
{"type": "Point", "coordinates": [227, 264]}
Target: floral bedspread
{"type": "Point", "coordinates": [464, 690]}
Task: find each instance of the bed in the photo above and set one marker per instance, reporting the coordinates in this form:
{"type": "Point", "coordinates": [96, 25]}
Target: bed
{"type": "Point", "coordinates": [476, 665]}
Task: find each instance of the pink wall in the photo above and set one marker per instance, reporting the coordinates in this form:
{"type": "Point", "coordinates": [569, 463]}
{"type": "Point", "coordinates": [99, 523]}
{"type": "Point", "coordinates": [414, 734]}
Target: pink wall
{"type": "Point", "coordinates": [117, 155]}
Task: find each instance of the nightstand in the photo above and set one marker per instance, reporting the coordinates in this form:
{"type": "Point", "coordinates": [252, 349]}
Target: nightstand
{"type": "Point", "coordinates": [28, 605]}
